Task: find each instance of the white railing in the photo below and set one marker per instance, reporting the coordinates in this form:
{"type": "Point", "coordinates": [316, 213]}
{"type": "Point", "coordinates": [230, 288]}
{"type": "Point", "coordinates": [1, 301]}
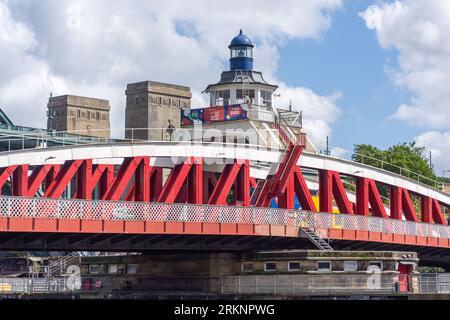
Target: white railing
{"type": "Point", "coordinates": [17, 207]}
{"type": "Point", "coordinates": [301, 284]}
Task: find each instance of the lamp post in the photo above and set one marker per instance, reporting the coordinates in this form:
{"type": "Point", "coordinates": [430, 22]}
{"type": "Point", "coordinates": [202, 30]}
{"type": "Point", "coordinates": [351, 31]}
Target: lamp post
{"type": "Point", "coordinates": [443, 179]}
{"type": "Point", "coordinates": [443, 173]}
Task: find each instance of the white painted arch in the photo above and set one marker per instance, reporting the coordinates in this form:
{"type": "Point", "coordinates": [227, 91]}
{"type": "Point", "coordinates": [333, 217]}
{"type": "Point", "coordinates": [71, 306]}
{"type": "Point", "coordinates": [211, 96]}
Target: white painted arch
{"type": "Point", "coordinates": [165, 152]}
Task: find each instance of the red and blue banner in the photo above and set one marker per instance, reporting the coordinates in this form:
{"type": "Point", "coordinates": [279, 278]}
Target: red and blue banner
{"type": "Point", "coordinates": [212, 115]}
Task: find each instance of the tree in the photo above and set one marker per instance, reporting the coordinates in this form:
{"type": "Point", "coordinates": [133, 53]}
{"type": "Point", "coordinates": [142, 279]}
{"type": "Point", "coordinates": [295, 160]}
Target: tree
{"type": "Point", "coordinates": [405, 159]}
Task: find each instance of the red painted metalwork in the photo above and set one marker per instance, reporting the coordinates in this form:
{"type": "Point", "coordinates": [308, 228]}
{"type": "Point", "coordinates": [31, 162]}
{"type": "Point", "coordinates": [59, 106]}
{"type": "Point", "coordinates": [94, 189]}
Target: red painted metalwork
{"type": "Point", "coordinates": [175, 181]}
{"type": "Point", "coordinates": [330, 184]}
{"type": "Point", "coordinates": [302, 191]}
{"type": "Point", "coordinates": [367, 193]}
{"type": "Point", "coordinates": [225, 182]}
{"type": "Point", "coordinates": [62, 179]}
{"type": "Point", "coordinates": [137, 180]}
{"type": "Point", "coordinates": [209, 182]}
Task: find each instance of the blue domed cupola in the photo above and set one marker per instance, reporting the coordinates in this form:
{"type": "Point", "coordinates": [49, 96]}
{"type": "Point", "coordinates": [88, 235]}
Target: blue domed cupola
{"type": "Point", "coordinates": [241, 50]}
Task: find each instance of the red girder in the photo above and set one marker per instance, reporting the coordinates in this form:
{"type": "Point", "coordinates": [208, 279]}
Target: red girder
{"type": "Point", "coordinates": [242, 190]}
{"type": "Point", "coordinates": [195, 183]}
{"type": "Point", "coordinates": [302, 191]}
{"type": "Point", "coordinates": [286, 200]}
{"type": "Point", "coordinates": [62, 179]}
{"type": "Point", "coordinates": [209, 183]}
{"type": "Point", "coordinates": [142, 180]}
{"type": "Point", "coordinates": [253, 182]}
{"type": "Point", "coordinates": [438, 215]}
{"type": "Point", "coordinates": [124, 177]}
{"type": "Point", "coordinates": [401, 203]}
{"type": "Point", "coordinates": [137, 180]}
{"type": "Point", "coordinates": [27, 186]}
{"type": "Point", "coordinates": [427, 209]}
{"type": "Point", "coordinates": [287, 167]}
{"type": "Point", "coordinates": [367, 193]}
{"type": "Point", "coordinates": [5, 174]}
{"type": "Point", "coordinates": [177, 178]}
{"type": "Point", "coordinates": [330, 184]}
{"type": "Point", "coordinates": [375, 200]}
{"type": "Point", "coordinates": [224, 184]}
{"type": "Point", "coordinates": [156, 183]}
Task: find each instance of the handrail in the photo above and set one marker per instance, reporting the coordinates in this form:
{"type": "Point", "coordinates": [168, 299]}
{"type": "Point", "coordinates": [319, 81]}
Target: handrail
{"type": "Point", "coordinates": [39, 208]}
{"type": "Point", "coordinates": [437, 184]}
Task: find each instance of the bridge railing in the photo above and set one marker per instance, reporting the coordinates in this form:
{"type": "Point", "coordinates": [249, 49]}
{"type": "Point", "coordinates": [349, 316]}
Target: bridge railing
{"type": "Point", "coordinates": [39, 208]}
{"type": "Point", "coordinates": [157, 135]}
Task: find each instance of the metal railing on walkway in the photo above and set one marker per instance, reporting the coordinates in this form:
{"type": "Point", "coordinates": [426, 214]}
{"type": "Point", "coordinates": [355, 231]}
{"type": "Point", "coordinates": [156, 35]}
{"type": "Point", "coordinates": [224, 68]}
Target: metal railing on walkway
{"type": "Point", "coordinates": [307, 284]}
{"type": "Point", "coordinates": [39, 208]}
{"type": "Point", "coordinates": [139, 135]}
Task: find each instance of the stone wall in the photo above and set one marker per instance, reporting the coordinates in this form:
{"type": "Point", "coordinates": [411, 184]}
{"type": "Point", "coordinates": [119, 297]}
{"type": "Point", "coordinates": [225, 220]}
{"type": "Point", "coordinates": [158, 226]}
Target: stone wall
{"type": "Point", "coordinates": [154, 105]}
{"type": "Point", "coordinates": [79, 115]}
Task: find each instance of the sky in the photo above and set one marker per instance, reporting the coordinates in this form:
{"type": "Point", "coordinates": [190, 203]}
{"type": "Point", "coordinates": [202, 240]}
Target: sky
{"type": "Point", "coordinates": [362, 71]}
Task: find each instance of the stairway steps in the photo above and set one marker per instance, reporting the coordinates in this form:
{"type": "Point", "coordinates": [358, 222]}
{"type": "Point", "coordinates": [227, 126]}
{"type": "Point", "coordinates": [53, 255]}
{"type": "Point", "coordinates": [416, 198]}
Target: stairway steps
{"type": "Point", "coordinates": [317, 240]}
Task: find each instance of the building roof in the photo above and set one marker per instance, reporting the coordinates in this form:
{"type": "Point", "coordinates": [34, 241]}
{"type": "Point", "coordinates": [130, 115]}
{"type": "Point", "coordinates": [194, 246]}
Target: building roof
{"type": "Point", "coordinates": [4, 120]}
{"type": "Point", "coordinates": [241, 40]}
{"type": "Point", "coordinates": [242, 76]}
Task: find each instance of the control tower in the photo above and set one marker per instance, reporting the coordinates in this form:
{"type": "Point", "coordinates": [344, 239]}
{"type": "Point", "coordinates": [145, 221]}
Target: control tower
{"type": "Point", "coordinates": [243, 100]}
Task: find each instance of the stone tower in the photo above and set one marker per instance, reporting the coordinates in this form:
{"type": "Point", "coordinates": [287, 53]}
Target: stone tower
{"type": "Point", "coordinates": [79, 115]}
{"type": "Point", "coordinates": [154, 107]}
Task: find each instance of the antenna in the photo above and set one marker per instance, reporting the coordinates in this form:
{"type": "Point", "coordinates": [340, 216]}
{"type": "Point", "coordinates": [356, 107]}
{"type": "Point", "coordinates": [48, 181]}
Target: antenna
{"type": "Point", "coordinates": [431, 163]}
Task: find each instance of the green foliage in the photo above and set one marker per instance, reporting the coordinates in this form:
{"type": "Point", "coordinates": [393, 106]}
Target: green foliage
{"type": "Point", "coordinates": [406, 159]}
{"type": "Point", "coordinates": [431, 270]}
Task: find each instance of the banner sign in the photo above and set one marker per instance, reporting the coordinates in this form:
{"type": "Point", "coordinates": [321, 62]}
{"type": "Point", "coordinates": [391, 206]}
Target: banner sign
{"type": "Point", "coordinates": [212, 115]}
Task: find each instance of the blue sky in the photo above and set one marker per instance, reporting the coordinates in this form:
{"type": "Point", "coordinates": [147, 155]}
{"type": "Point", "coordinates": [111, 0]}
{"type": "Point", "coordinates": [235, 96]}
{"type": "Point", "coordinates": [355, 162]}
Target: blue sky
{"type": "Point", "coordinates": [349, 59]}
{"type": "Point", "coordinates": [91, 48]}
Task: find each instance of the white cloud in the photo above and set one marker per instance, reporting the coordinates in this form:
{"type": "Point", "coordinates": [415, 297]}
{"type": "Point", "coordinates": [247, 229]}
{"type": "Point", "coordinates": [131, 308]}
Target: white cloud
{"type": "Point", "coordinates": [420, 32]}
{"type": "Point", "coordinates": [439, 144]}
{"type": "Point", "coordinates": [95, 48]}
{"type": "Point", "coordinates": [319, 111]}
{"type": "Point", "coordinates": [340, 153]}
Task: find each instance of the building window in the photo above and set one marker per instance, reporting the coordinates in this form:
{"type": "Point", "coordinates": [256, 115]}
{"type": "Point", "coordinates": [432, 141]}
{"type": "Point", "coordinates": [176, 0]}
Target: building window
{"type": "Point", "coordinates": [293, 266]}
{"type": "Point", "coordinates": [112, 269]}
{"type": "Point", "coordinates": [132, 268]}
{"type": "Point", "coordinates": [270, 266]}
{"type": "Point", "coordinates": [266, 98]}
{"type": "Point", "coordinates": [222, 98]}
{"type": "Point", "coordinates": [94, 269]}
{"type": "Point", "coordinates": [376, 265]}
{"type": "Point", "coordinates": [247, 267]}
{"type": "Point", "coordinates": [324, 266]}
{"type": "Point", "coordinates": [245, 95]}
{"type": "Point", "coordinates": [98, 116]}
{"type": "Point", "coordinates": [350, 266]}
{"type": "Point", "coordinates": [78, 113]}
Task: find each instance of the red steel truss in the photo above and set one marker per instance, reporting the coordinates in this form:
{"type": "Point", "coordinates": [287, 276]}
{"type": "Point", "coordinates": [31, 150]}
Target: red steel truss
{"type": "Point", "coordinates": [187, 182]}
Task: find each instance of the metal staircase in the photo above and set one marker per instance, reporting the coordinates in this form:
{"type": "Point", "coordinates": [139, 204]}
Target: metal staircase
{"type": "Point", "coordinates": [59, 267]}
{"type": "Point", "coordinates": [276, 184]}
{"type": "Point", "coordinates": [320, 243]}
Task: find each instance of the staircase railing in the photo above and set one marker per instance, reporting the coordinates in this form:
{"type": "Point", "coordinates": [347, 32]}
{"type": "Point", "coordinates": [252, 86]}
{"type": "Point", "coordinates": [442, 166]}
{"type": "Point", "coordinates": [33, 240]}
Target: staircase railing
{"type": "Point", "coordinates": [59, 266]}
